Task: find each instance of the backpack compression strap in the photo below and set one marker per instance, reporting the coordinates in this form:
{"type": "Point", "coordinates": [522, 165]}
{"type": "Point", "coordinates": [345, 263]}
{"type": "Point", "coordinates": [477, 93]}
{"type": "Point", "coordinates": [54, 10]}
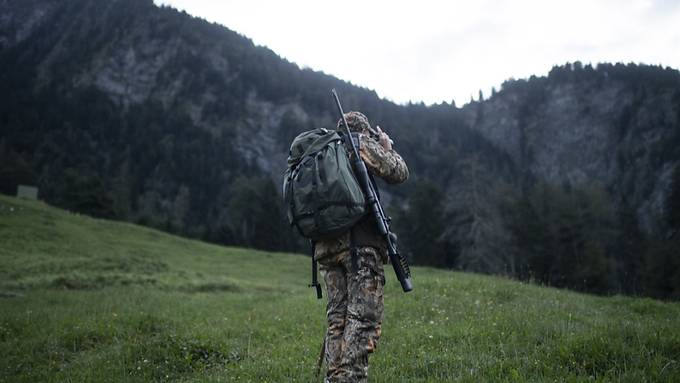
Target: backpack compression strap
{"type": "Point", "coordinates": [315, 280]}
{"type": "Point", "coordinates": [317, 144]}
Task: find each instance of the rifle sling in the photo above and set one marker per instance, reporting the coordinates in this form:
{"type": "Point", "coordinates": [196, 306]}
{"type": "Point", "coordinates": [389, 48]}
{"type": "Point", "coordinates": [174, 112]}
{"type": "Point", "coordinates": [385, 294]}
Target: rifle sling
{"type": "Point", "coordinates": [315, 272]}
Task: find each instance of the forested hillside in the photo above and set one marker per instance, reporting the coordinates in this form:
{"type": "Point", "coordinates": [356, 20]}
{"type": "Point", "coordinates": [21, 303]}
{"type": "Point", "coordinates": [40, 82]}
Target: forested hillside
{"type": "Point", "coordinates": [125, 110]}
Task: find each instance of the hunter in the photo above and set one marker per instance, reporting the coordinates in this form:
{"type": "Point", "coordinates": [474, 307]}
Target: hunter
{"type": "Point", "coordinates": [355, 287]}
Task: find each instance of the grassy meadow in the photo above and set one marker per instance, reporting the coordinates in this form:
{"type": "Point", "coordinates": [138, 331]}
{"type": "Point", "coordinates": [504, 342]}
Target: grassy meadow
{"type": "Point", "coordinates": [88, 300]}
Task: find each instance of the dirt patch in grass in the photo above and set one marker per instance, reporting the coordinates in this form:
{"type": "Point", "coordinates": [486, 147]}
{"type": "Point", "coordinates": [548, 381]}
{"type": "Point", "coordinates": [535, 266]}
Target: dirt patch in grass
{"type": "Point", "coordinates": [9, 330]}
{"type": "Point", "coordinates": [504, 295]}
{"type": "Point", "coordinates": [646, 306]}
{"type": "Point", "coordinates": [77, 281]}
{"type": "Point", "coordinates": [163, 356]}
{"type": "Point", "coordinates": [122, 264]}
{"type": "Point", "coordinates": [10, 294]}
{"type": "Point", "coordinates": [616, 348]}
{"type": "Point", "coordinates": [212, 287]}
{"type": "Point", "coordinates": [138, 263]}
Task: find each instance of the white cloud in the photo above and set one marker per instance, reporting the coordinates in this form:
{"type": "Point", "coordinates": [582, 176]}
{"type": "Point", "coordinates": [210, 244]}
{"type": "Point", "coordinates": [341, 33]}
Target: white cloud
{"type": "Point", "coordinates": [442, 50]}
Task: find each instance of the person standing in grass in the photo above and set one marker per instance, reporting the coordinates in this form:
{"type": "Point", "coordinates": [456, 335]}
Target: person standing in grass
{"type": "Point", "coordinates": [355, 286]}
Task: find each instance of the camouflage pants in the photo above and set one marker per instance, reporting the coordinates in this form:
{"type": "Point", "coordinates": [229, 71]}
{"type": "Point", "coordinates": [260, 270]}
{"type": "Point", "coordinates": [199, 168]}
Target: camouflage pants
{"type": "Point", "coordinates": [354, 311]}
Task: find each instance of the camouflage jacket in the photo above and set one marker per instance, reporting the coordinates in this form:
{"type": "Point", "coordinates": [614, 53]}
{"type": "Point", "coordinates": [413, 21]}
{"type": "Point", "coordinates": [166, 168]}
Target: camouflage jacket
{"type": "Point", "coordinates": [386, 164]}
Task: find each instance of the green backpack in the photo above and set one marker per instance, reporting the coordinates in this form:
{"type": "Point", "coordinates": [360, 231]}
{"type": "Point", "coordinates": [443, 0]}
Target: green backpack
{"type": "Point", "coordinates": [322, 195]}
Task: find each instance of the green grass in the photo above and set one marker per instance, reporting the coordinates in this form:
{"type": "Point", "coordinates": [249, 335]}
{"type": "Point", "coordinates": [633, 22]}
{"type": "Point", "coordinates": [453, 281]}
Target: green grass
{"type": "Point", "coordinates": [85, 300]}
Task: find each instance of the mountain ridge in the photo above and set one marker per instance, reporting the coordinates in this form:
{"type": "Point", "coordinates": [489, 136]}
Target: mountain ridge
{"type": "Point", "coordinates": [126, 110]}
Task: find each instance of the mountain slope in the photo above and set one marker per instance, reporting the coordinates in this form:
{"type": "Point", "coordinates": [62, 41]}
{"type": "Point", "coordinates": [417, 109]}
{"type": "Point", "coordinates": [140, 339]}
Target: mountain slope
{"type": "Point", "coordinates": [94, 300]}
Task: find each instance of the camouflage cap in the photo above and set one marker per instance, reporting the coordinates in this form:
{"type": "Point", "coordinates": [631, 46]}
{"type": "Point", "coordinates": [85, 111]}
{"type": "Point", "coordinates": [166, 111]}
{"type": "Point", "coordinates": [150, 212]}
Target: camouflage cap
{"type": "Point", "coordinates": [357, 123]}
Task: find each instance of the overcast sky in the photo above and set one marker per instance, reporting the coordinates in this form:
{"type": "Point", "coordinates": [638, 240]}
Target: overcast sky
{"type": "Point", "coordinates": [436, 51]}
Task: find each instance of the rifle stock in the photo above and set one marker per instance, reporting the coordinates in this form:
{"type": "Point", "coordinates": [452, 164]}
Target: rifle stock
{"type": "Point", "coordinates": [401, 268]}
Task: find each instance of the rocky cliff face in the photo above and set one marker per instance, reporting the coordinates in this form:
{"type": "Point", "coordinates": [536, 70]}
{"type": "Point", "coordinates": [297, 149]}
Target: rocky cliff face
{"type": "Point", "coordinates": [134, 52]}
{"type": "Point", "coordinates": [20, 19]}
{"type": "Point", "coordinates": [595, 127]}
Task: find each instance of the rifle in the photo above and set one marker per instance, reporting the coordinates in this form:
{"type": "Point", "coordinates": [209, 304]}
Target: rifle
{"type": "Point", "coordinates": [398, 261]}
